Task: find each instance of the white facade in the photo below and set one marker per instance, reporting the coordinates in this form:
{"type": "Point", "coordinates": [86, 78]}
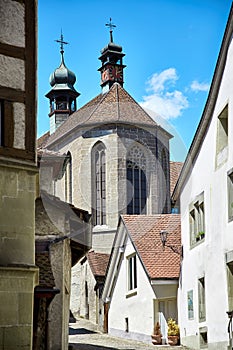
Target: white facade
{"type": "Point", "coordinates": [135, 308]}
{"type": "Point", "coordinates": [206, 281]}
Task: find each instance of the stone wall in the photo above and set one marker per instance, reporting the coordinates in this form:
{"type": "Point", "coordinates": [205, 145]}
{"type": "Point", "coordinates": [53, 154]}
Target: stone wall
{"type": "Point", "coordinates": [51, 223]}
{"type": "Point", "coordinates": [18, 274]}
{"type": "Point", "coordinates": [83, 297]}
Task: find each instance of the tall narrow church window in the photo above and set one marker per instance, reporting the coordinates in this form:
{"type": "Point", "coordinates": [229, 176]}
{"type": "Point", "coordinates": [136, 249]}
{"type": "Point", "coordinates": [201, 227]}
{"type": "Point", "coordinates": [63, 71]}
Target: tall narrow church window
{"type": "Point", "coordinates": [136, 182]}
{"type": "Point", "coordinates": [164, 184]}
{"type": "Point", "coordinates": [99, 202]}
{"type": "Point", "coordinates": [68, 180]}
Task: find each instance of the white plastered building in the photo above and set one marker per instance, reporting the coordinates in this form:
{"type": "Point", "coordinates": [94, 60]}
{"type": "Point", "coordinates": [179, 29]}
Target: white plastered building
{"type": "Point", "coordinates": [205, 193]}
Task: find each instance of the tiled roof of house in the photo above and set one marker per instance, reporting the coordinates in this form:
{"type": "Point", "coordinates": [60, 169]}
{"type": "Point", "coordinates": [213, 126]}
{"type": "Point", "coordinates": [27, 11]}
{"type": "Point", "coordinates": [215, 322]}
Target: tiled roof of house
{"type": "Point", "coordinates": [46, 278]}
{"type": "Point", "coordinates": [144, 231]}
{"type": "Point", "coordinates": [114, 106]}
{"type": "Point", "coordinates": [41, 141]}
{"type": "Point", "coordinates": [98, 263]}
{"type": "Point", "coordinates": [175, 169]}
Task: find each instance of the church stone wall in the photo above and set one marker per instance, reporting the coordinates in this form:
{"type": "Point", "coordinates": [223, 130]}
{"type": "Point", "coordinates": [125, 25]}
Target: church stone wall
{"type": "Point", "coordinates": [117, 140]}
{"type": "Point", "coordinates": [82, 168]}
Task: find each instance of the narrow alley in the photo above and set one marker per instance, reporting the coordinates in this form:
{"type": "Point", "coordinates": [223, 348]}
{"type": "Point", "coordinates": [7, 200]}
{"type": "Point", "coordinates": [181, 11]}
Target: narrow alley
{"type": "Point", "coordinates": [83, 335]}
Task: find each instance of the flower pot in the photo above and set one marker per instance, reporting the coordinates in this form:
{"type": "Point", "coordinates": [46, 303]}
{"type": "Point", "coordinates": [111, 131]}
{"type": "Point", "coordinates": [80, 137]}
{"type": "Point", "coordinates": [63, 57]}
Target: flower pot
{"type": "Point", "coordinates": [173, 339]}
{"type": "Point", "coordinates": [156, 339]}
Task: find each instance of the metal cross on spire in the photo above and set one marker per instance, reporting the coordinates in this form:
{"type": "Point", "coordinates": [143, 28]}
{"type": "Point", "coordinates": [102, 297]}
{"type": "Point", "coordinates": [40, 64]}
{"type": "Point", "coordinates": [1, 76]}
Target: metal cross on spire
{"type": "Point", "coordinates": [111, 26]}
{"type": "Point", "coordinates": [61, 42]}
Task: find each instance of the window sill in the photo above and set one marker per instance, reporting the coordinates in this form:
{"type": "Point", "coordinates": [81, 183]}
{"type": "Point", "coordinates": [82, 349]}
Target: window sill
{"type": "Point", "coordinates": [131, 293]}
{"type": "Point", "coordinates": [195, 244]}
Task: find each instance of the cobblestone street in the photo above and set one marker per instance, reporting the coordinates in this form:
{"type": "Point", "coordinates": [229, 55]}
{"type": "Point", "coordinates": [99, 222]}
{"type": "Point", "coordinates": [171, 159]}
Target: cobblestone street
{"type": "Point", "coordinates": [84, 336]}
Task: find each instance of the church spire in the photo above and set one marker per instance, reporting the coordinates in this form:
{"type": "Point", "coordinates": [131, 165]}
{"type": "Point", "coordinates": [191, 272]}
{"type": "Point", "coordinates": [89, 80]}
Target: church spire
{"type": "Point", "coordinates": [62, 42]}
{"type": "Point", "coordinates": [111, 26]}
{"type": "Point", "coordinates": [62, 95]}
{"type": "Point", "coordinates": [112, 62]}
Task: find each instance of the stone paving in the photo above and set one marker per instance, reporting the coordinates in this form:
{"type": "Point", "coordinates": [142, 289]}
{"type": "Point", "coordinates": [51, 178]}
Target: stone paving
{"type": "Point", "coordinates": [85, 336]}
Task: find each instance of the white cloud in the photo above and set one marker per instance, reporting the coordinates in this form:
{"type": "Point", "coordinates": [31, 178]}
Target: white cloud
{"type": "Point", "coordinates": [164, 99]}
{"type": "Point", "coordinates": [196, 86]}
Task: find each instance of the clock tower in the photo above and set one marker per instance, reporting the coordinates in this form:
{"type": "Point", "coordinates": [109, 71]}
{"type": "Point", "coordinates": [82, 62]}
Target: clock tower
{"type": "Point", "coordinates": [112, 63]}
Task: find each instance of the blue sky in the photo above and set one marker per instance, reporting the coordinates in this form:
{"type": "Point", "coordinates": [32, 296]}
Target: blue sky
{"type": "Point", "coordinates": [171, 48]}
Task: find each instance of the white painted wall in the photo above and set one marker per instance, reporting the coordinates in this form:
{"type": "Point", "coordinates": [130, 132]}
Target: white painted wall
{"type": "Point", "coordinates": [208, 258]}
{"type": "Point", "coordinates": [138, 308]}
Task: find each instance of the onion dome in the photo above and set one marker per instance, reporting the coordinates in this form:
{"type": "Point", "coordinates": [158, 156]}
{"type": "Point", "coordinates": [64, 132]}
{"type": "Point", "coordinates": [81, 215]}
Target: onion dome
{"type": "Point", "coordinates": [62, 75]}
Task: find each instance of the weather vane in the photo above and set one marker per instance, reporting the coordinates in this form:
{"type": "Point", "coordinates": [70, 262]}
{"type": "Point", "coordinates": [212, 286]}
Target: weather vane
{"type": "Point", "coordinates": [61, 42]}
{"type": "Point", "coordinates": [111, 26]}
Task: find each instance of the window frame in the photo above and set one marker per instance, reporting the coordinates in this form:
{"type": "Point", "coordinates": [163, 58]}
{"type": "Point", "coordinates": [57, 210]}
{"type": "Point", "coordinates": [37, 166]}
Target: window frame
{"type": "Point", "coordinates": [230, 194]}
{"type": "Point", "coordinates": [222, 138]}
{"type": "Point", "coordinates": [99, 184]}
{"type": "Point", "coordinates": [136, 179]}
{"type": "Point", "coordinates": [197, 220]}
{"type": "Point", "coordinates": [201, 300]}
{"type": "Point", "coordinates": [132, 278]}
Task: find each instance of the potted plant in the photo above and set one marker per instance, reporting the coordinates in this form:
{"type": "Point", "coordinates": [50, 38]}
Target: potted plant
{"type": "Point", "coordinates": [157, 335]}
{"type": "Point", "coordinates": [200, 235]}
{"type": "Point", "coordinates": [173, 332]}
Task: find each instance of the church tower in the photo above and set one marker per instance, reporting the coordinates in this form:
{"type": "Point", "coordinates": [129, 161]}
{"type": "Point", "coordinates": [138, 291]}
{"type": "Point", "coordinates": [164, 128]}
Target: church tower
{"type": "Point", "coordinates": [112, 68]}
{"type": "Point", "coordinates": [119, 162]}
{"type": "Point", "coordinates": [62, 95]}
{"type": "Point", "coordinates": [119, 154]}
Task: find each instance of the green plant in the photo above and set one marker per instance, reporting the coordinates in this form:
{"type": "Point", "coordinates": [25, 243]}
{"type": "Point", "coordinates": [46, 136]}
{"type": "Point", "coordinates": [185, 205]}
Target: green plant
{"type": "Point", "coordinates": [200, 234]}
{"type": "Point", "coordinates": [173, 328]}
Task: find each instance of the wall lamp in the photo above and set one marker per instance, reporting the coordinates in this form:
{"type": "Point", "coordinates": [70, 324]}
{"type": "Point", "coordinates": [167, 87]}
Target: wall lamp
{"type": "Point", "coordinates": [163, 237]}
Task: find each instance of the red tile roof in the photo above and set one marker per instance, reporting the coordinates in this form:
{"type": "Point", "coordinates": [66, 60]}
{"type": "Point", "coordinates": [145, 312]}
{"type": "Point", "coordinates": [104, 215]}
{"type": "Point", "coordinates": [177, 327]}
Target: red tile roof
{"type": "Point", "coordinates": [98, 263]}
{"type": "Point", "coordinates": [115, 106]}
{"type": "Point", "coordinates": [175, 169]}
{"type": "Point", "coordinates": [144, 231]}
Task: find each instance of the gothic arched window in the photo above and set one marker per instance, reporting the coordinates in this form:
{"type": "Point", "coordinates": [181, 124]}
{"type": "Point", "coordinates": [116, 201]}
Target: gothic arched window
{"type": "Point", "coordinates": [68, 179]}
{"type": "Point", "coordinates": [136, 181]}
{"type": "Point", "coordinates": [99, 192]}
{"type": "Point", "coordinates": [164, 182]}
